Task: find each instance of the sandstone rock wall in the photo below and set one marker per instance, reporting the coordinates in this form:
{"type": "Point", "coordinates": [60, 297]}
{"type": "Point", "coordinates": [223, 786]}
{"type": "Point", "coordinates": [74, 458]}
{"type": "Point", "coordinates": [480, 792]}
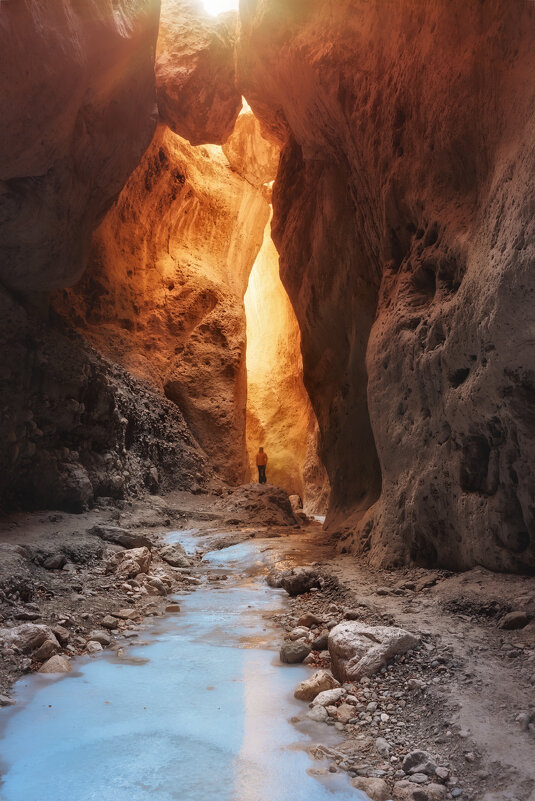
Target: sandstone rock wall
{"type": "Point", "coordinates": [163, 294]}
{"type": "Point", "coordinates": [403, 215]}
{"type": "Point", "coordinates": [75, 426]}
{"type": "Point", "coordinates": [279, 413]}
{"type": "Point", "coordinates": [70, 133]}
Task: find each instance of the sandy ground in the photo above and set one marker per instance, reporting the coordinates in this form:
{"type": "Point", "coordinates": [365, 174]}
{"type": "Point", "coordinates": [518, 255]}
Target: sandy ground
{"type": "Point", "coordinates": [476, 681]}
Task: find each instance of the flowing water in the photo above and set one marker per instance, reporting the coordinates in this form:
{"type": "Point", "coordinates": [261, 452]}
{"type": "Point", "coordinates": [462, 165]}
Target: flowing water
{"type": "Point", "coordinates": [201, 712]}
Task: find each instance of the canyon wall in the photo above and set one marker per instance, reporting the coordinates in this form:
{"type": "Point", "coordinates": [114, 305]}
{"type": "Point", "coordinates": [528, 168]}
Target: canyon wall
{"type": "Point", "coordinates": [403, 216]}
{"type": "Point", "coordinates": [163, 293]}
{"type": "Point", "coordinates": [279, 413]}
{"type": "Point", "coordinates": [70, 133]}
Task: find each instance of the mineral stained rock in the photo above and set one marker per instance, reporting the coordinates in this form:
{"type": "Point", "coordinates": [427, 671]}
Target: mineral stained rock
{"type": "Point", "coordinates": [403, 216]}
{"type": "Point", "coordinates": [70, 133]}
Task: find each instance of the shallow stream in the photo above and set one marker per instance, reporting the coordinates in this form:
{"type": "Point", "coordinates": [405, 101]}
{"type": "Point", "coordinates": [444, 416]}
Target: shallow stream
{"type": "Point", "coordinates": [201, 712]}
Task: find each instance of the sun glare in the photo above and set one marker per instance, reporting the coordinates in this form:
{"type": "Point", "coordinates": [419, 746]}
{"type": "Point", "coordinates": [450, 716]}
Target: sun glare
{"type": "Point", "coordinates": [216, 7]}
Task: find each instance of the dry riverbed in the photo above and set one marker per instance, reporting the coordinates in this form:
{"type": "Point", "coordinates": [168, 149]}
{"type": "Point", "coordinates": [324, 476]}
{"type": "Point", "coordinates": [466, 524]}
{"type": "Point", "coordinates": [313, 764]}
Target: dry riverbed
{"type": "Point", "coordinates": [463, 694]}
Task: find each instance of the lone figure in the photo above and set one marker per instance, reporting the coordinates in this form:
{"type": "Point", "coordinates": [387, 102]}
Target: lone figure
{"type": "Point", "coordinates": [261, 462]}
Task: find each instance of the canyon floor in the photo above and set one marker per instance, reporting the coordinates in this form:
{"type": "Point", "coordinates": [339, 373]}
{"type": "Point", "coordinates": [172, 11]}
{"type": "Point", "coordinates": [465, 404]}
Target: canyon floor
{"type": "Point", "coordinates": [465, 695]}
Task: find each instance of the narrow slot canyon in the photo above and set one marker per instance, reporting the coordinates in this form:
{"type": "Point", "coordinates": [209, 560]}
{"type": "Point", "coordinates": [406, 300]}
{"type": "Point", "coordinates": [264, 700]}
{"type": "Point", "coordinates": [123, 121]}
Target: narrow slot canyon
{"type": "Point", "coordinates": [248, 237]}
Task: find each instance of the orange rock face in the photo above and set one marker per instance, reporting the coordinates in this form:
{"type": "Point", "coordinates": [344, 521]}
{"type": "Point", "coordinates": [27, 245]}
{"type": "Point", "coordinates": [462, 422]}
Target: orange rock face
{"type": "Point", "coordinates": [279, 414]}
{"type": "Point", "coordinates": [195, 72]}
{"type": "Point", "coordinates": [403, 219]}
{"type": "Point", "coordinates": [70, 133]}
{"type": "Point", "coordinates": [163, 294]}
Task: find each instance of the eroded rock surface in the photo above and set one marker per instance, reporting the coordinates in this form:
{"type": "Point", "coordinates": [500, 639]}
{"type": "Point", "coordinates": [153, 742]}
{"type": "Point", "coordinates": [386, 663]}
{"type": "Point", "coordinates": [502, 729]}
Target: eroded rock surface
{"type": "Point", "coordinates": [195, 72]}
{"type": "Point", "coordinates": [358, 649]}
{"type": "Point", "coordinates": [403, 219]}
{"type": "Point", "coordinates": [70, 133]}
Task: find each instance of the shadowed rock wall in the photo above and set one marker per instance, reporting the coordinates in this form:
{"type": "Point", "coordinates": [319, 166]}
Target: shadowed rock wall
{"type": "Point", "coordinates": [403, 214]}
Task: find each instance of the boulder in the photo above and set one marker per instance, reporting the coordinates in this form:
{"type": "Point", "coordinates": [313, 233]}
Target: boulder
{"type": "Point", "coordinates": [175, 555]}
{"type": "Point", "coordinates": [300, 580]}
{"type": "Point", "coordinates": [328, 697]}
{"type": "Point", "coordinates": [47, 649]}
{"type": "Point", "coordinates": [293, 652]}
{"type": "Point", "coordinates": [130, 563]}
{"type": "Point", "coordinates": [308, 689]}
{"type": "Point", "coordinates": [358, 649]}
{"type": "Point", "coordinates": [375, 789]}
{"type": "Point", "coordinates": [121, 536]}
{"type": "Point", "coordinates": [419, 762]}
{"type": "Point", "coordinates": [62, 634]}
{"type": "Point", "coordinates": [56, 664]}
{"type": "Point", "coordinates": [514, 620]}
{"type": "Point", "coordinates": [26, 637]}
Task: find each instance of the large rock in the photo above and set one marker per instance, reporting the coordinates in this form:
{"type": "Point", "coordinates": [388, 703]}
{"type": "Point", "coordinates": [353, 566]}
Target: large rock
{"type": "Point", "coordinates": [407, 243]}
{"type": "Point", "coordinates": [262, 504]}
{"type": "Point", "coordinates": [308, 689]}
{"type": "Point", "coordinates": [121, 536]}
{"type": "Point", "coordinates": [130, 563]}
{"type": "Point", "coordinates": [300, 580]}
{"type": "Point", "coordinates": [56, 664]}
{"type": "Point", "coordinates": [27, 637]}
{"type": "Point", "coordinates": [375, 789]}
{"type": "Point", "coordinates": [77, 115]}
{"type": "Point", "coordinates": [195, 72]}
{"type": "Point", "coordinates": [358, 649]}
{"type": "Point", "coordinates": [405, 790]}
{"type": "Point", "coordinates": [293, 652]}
{"type": "Point", "coordinates": [175, 555]}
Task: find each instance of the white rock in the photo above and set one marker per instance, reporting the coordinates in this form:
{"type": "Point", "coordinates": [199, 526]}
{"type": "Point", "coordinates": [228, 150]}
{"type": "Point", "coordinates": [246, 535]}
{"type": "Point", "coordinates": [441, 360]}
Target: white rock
{"type": "Point", "coordinates": [358, 649]}
{"type": "Point", "coordinates": [308, 689]}
{"type": "Point", "coordinates": [329, 696]}
{"type": "Point", "coordinates": [318, 713]}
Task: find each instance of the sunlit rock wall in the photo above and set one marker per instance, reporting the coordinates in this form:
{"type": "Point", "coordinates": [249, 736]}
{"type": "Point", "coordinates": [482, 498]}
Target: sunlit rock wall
{"type": "Point", "coordinates": [163, 294]}
{"type": "Point", "coordinates": [195, 72]}
{"type": "Point", "coordinates": [403, 215]}
{"type": "Point", "coordinates": [78, 108]}
{"type": "Point", "coordinates": [279, 414]}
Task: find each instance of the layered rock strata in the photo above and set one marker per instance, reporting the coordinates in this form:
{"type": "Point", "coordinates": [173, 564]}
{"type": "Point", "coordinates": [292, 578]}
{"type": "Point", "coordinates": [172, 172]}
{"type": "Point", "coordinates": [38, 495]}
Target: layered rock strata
{"type": "Point", "coordinates": [403, 218]}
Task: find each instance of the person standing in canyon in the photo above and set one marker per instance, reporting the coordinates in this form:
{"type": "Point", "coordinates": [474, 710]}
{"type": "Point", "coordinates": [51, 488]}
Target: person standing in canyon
{"type": "Point", "coordinates": [261, 462]}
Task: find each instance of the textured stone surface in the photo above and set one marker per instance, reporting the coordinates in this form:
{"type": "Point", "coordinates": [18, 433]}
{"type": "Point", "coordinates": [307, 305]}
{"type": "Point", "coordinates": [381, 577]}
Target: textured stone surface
{"type": "Point", "coordinates": [319, 682]}
{"type": "Point", "coordinates": [195, 72]}
{"type": "Point", "coordinates": [163, 294]}
{"type": "Point", "coordinates": [358, 649]}
{"type": "Point", "coordinates": [403, 219]}
{"type": "Point", "coordinates": [70, 133]}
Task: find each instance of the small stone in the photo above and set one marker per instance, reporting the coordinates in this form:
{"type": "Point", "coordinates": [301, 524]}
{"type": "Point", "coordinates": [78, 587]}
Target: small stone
{"type": "Point", "coordinates": [109, 622]}
{"type": "Point", "coordinates": [375, 789]}
{"type": "Point", "coordinates": [456, 792]}
{"type": "Point", "coordinates": [419, 778]}
{"type": "Point", "coordinates": [298, 633]}
{"type": "Point", "coordinates": [125, 614]}
{"type": "Point", "coordinates": [6, 701]}
{"type": "Point", "coordinates": [382, 746]}
{"type": "Point", "coordinates": [442, 773]}
{"type": "Point", "coordinates": [47, 649]}
{"type": "Point", "coordinates": [321, 642]}
{"type": "Point", "coordinates": [345, 713]}
{"type": "Point", "coordinates": [318, 713]}
{"type": "Point", "coordinates": [308, 620]}
{"type": "Point", "coordinates": [172, 608]}
{"type": "Point", "coordinates": [328, 697]}
{"type": "Point", "coordinates": [93, 647]}
{"type": "Point", "coordinates": [56, 664]}
{"type": "Point", "coordinates": [101, 636]}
